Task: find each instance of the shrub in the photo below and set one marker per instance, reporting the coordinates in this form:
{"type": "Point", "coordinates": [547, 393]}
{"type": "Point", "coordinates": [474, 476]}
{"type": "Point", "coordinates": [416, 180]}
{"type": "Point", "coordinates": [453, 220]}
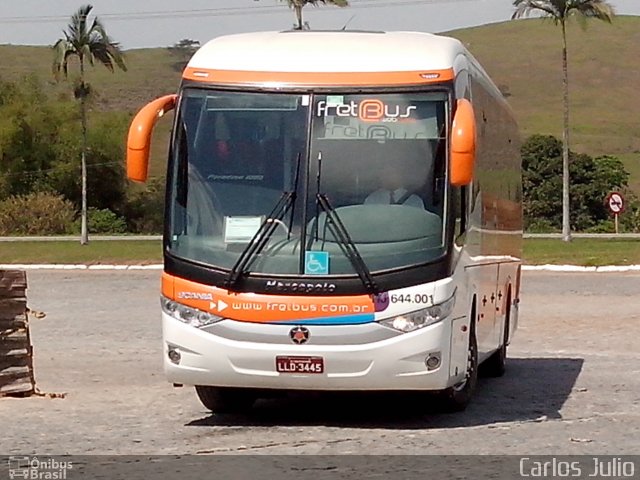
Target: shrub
{"type": "Point", "coordinates": [145, 208]}
{"type": "Point", "coordinates": [605, 226]}
{"type": "Point", "coordinates": [631, 220]}
{"type": "Point", "coordinates": [541, 225]}
{"type": "Point", "coordinates": [37, 213]}
{"type": "Point", "coordinates": [102, 221]}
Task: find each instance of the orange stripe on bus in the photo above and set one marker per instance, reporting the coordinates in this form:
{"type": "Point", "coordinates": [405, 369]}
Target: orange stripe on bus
{"type": "Point", "coordinates": [262, 308]}
{"type": "Point", "coordinates": [319, 79]}
{"type": "Point", "coordinates": [167, 285]}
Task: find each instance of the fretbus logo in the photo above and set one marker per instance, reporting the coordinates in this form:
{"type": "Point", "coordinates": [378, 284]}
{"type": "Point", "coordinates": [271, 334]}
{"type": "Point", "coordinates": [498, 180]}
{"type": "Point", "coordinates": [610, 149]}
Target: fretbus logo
{"type": "Point", "coordinates": [368, 110]}
{"type": "Point", "coordinates": [371, 110]}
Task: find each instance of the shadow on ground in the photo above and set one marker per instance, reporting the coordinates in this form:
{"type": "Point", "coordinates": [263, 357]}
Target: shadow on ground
{"type": "Point", "coordinates": [533, 389]}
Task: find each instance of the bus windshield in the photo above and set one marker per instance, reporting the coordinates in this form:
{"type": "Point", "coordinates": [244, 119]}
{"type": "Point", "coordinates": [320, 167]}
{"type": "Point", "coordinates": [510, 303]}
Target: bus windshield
{"type": "Point", "coordinates": [301, 184]}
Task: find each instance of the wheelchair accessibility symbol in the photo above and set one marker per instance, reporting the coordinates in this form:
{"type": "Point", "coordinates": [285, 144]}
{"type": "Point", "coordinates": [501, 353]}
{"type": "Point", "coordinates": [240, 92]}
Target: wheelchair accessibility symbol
{"type": "Point", "coordinates": [316, 263]}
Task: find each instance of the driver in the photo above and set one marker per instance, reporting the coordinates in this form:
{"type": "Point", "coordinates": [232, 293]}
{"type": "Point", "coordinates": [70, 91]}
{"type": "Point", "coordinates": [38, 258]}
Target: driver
{"type": "Point", "coordinates": [392, 191]}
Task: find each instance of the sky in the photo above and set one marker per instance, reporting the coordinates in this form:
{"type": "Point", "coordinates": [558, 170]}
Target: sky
{"type": "Point", "coordinates": [161, 23]}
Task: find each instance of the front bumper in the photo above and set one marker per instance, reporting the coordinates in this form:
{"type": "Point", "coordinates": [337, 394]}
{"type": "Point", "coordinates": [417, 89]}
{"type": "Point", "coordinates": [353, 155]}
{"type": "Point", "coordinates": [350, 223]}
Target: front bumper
{"type": "Point", "coordinates": [389, 362]}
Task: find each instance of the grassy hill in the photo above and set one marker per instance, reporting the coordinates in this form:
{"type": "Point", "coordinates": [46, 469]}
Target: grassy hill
{"type": "Point", "coordinates": [149, 74]}
{"type": "Point", "coordinates": [523, 57]}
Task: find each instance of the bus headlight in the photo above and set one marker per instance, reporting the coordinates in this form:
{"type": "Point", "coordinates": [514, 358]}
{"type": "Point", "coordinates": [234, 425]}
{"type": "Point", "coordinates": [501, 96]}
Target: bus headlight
{"type": "Point", "coordinates": [411, 321]}
{"type": "Point", "coordinates": [189, 315]}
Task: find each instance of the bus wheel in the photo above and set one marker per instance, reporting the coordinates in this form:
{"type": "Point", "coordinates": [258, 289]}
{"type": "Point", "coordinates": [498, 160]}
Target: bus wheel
{"type": "Point", "coordinates": [226, 400]}
{"type": "Point", "coordinates": [495, 365]}
{"type": "Point", "coordinates": [457, 397]}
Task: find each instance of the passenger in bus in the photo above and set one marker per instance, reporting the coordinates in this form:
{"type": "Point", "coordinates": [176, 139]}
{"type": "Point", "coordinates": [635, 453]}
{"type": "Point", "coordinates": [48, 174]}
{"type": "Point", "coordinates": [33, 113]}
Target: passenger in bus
{"type": "Point", "coordinates": [392, 191]}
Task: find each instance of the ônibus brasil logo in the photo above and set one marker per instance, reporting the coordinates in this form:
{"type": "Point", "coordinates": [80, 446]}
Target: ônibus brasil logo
{"type": "Point", "coordinates": [369, 110]}
{"type": "Point", "coordinates": [34, 468]}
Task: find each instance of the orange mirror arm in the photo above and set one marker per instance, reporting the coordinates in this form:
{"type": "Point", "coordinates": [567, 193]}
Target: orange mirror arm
{"type": "Point", "coordinates": [139, 139]}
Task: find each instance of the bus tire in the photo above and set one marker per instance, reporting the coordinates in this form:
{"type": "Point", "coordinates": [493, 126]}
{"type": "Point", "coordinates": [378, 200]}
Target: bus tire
{"type": "Point", "coordinates": [496, 364]}
{"type": "Point", "coordinates": [225, 400]}
{"type": "Point", "coordinates": [457, 397]}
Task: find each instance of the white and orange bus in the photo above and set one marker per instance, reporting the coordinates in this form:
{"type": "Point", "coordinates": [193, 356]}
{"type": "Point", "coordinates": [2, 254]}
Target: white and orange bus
{"type": "Point", "coordinates": [343, 212]}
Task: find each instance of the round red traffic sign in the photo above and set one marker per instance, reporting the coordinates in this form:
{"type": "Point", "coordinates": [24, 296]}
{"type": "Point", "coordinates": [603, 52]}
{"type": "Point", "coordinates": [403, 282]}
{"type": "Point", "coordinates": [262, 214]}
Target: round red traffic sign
{"type": "Point", "coordinates": [615, 202]}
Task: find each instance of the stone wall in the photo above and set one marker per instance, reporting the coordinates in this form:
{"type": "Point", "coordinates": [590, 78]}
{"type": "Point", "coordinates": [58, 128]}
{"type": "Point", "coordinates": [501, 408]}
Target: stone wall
{"type": "Point", "coordinates": [16, 360]}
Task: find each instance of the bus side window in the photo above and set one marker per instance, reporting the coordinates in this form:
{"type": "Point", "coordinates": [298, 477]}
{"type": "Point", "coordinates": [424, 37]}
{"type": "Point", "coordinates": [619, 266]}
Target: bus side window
{"type": "Point", "coordinates": [461, 208]}
{"type": "Point", "coordinates": [462, 85]}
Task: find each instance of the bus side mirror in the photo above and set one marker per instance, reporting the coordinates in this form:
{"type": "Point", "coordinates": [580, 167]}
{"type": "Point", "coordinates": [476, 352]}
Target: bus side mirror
{"type": "Point", "coordinates": [463, 144]}
{"type": "Point", "coordinates": [139, 139]}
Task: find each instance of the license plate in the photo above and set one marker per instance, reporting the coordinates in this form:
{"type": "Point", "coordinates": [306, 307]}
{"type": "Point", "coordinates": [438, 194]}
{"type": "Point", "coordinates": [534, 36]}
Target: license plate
{"type": "Point", "coordinates": [305, 365]}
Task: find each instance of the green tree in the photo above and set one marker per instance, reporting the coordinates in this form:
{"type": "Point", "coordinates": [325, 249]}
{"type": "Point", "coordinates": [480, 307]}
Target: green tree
{"type": "Point", "coordinates": [106, 185]}
{"type": "Point", "coordinates": [88, 42]}
{"type": "Point", "coordinates": [40, 138]}
{"type": "Point", "coordinates": [560, 11]}
{"type": "Point", "coordinates": [298, 5]}
{"type": "Point", "coordinates": [30, 126]}
{"type": "Point", "coordinates": [592, 180]}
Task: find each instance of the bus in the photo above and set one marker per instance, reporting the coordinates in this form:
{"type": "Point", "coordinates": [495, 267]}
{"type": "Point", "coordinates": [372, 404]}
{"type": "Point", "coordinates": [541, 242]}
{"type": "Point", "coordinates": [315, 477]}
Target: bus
{"type": "Point", "coordinates": [343, 213]}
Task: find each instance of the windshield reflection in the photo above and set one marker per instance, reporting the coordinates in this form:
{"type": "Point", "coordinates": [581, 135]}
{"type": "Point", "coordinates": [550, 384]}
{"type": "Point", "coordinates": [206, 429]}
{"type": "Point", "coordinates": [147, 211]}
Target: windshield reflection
{"type": "Point", "coordinates": [246, 194]}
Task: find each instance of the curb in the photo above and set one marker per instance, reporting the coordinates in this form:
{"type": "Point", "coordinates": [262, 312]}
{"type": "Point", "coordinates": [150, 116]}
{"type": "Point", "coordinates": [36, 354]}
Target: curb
{"type": "Point", "coordinates": [578, 268]}
{"type": "Point", "coordinates": [16, 266]}
{"type": "Point", "coordinates": [545, 268]}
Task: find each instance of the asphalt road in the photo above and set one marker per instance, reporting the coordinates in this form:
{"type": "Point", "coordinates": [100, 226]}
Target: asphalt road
{"type": "Point", "coordinates": [572, 385]}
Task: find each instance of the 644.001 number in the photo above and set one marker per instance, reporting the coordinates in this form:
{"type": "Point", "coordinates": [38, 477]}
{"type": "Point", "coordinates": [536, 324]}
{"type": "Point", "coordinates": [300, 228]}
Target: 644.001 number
{"type": "Point", "coordinates": [412, 298]}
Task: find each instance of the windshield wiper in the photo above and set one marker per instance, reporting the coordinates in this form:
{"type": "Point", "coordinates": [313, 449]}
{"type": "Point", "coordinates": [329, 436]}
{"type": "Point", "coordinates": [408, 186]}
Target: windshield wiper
{"type": "Point", "coordinates": [340, 233]}
{"type": "Point", "coordinates": [261, 237]}
{"type": "Point", "coordinates": [266, 229]}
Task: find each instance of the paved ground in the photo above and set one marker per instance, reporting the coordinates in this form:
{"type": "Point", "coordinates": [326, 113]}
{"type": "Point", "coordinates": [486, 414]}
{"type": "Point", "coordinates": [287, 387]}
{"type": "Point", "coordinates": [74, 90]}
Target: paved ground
{"type": "Point", "coordinates": [572, 386]}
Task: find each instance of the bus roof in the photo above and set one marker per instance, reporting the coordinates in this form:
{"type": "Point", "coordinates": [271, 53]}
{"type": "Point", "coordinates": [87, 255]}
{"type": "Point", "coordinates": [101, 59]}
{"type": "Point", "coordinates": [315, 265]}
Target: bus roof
{"type": "Point", "coordinates": [328, 52]}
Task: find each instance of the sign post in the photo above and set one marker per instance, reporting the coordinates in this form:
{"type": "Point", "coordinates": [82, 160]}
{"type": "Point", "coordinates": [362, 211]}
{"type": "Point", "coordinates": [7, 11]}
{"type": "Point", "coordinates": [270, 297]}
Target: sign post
{"type": "Point", "coordinates": [615, 202]}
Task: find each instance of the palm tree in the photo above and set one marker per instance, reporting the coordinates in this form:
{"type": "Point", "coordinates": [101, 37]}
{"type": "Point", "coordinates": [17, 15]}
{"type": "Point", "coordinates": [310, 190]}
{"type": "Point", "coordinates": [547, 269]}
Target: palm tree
{"type": "Point", "coordinates": [560, 11]}
{"type": "Point", "coordinates": [88, 44]}
{"type": "Point", "coordinates": [298, 5]}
